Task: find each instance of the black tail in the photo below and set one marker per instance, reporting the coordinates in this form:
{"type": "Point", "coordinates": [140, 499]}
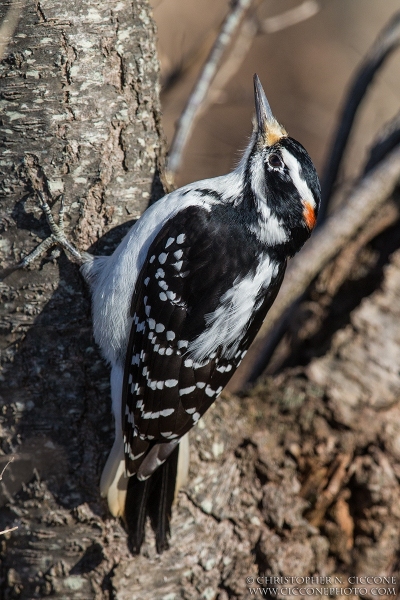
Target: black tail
{"type": "Point", "coordinates": [152, 497]}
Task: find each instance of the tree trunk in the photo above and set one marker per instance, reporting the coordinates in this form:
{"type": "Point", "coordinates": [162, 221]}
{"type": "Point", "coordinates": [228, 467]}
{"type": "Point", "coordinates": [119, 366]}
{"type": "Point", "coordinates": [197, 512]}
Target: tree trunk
{"type": "Point", "coordinates": [80, 105]}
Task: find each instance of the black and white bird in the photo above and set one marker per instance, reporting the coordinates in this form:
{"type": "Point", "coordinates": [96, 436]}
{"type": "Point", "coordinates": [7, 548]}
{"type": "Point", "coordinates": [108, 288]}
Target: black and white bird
{"type": "Point", "coordinates": [177, 305]}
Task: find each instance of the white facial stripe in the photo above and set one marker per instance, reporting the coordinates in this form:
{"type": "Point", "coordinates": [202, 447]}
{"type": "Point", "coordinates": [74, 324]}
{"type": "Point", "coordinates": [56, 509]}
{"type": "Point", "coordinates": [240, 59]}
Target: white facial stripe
{"type": "Point", "coordinates": [257, 176]}
{"type": "Point", "coordinates": [272, 232]}
{"type": "Point", "coordinates": [294, 170]}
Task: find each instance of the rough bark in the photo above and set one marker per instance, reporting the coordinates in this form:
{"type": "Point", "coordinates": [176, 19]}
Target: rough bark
{"type": "Point", "coordinates": [80, 101]}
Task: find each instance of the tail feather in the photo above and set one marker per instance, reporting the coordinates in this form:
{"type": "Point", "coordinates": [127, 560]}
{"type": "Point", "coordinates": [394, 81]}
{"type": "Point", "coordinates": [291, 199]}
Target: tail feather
{"type": "Point", "coordinates": [161, 499]}
{"type": "Point", "coordinates": [137, 498]}
{"type": "Point", "coordinates": [134, 499]}
{"type": "Point", "coordinates": [113, 483]}
{"type": "Point", "coordinates": [183, 464]}
{"type": "Point", "coordinates": [151, 497]}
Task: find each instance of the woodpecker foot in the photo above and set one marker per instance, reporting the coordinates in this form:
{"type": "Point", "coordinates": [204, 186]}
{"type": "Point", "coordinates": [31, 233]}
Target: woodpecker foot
{"type": "Point", "coordinates": [57, 238]}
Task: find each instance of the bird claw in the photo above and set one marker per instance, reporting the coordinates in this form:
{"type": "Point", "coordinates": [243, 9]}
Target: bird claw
{"type": "Point", "coordinates": [57, 238]}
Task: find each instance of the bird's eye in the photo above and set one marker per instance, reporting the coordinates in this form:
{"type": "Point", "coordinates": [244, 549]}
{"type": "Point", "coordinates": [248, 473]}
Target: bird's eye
{"type": "Point", "coordinates": [275, 161]}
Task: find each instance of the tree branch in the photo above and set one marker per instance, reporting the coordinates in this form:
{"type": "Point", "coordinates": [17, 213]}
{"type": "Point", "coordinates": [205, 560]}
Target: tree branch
{"type": "Point", "coordinates": [386, 141]}
{"type": "Point", "coordinates": [187, 119]}
{"type": "Point", "coordinates": [4, 468]}
{"type": "Point", "coordinates": [305, 10]}
{"type": "Point", "coordinates": [4, 531]}
{"type": "Point", "coordinates": [386, 42]}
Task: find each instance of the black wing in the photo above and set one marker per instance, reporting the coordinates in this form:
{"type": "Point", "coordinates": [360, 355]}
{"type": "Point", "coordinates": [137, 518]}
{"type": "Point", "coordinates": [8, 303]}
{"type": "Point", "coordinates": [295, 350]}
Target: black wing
{"type": "Point", "coordinates": [194, 259]}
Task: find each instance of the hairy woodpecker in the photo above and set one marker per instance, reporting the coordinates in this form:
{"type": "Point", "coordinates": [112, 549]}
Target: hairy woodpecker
{"type": "Point", "coordinates": [178, 303]}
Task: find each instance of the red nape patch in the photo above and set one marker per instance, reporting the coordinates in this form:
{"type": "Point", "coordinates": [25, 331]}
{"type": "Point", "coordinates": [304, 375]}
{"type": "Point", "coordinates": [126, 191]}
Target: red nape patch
{"type": "Point", "coordinates": [309, 215]}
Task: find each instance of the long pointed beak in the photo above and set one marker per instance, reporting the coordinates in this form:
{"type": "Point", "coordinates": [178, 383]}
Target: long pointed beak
{"type": "Point", "coordinates": [263, 109]}
{"type": "Point", "coordinates": [268, 126]}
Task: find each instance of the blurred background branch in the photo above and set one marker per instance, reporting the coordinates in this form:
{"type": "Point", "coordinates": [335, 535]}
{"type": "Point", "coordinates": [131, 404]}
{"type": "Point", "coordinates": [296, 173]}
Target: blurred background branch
{"type": "Point", "coordinates": [203, 83]}
{"type": "Point", "coordinates": [387, 41]}
{"type": "Point", "coordinates": [237, 34]}
{"type": "Point", "coordinates": [9, 24]}
{"type": "Point", "coordinates": [291, 17]}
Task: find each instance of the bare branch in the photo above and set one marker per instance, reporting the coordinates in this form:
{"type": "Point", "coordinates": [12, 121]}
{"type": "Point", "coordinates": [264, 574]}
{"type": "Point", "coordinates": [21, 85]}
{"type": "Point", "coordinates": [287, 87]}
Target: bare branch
{"type": "Point", "coordinates": [304, 11]}
{"type": "Point", "coordinates": [386, 42]}
{"type": "Point", "coordinates": [387, 140]}
{"type": "Point", "coordinates": [231, 65]}
{"type": "Point", "coordinates": [8, 530]}
{"type": "Point", "coordinates": [1, 477]}
{"type": "Point", "coordinates": [241, 46]}
{"type": "Point", "coordinates": [9, 25]}
{"type": "Point", "coordinates": [370, 193]}
{"type": "Point", "coordinates": [190, 112]}
{"type": "Point", "coordinates": [9, 462]}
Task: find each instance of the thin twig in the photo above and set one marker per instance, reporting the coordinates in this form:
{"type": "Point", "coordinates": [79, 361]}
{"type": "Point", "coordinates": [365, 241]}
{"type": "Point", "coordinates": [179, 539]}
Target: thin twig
{"type": "Point", "coordinates": [386, 42]}
{"type": "Point", "coordinates": [249, 29]}
{"type": "Point", "coordinates": [9, 25]}
{"type": "Point", "coordinates": [295, 15]}
{"type": "Point", "coordinates": [192, 61]}
{"type": "Point", "coordinates": [387, 140]}
{"type": "Point", "coordinates": [231, 65]}
{"type": "Point", "coordinates": [243, 41]}
{"type": "Point", "coordinates": [9, 462]}
{"type": "Point", "coordinates": [8, 530]}
{"type": "Point", "coordinates": [238, 52]}
{"type": "Point", "coordinates": [1, 477]}
{"type": "Point", "coordinates": [368, 195]}
{"type": "Point", "coordinates": [190, 112]}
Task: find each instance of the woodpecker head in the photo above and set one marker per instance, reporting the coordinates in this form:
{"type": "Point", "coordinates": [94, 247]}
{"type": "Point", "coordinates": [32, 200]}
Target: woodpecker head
{"type": "Point", "coordinates": [281, 188]}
